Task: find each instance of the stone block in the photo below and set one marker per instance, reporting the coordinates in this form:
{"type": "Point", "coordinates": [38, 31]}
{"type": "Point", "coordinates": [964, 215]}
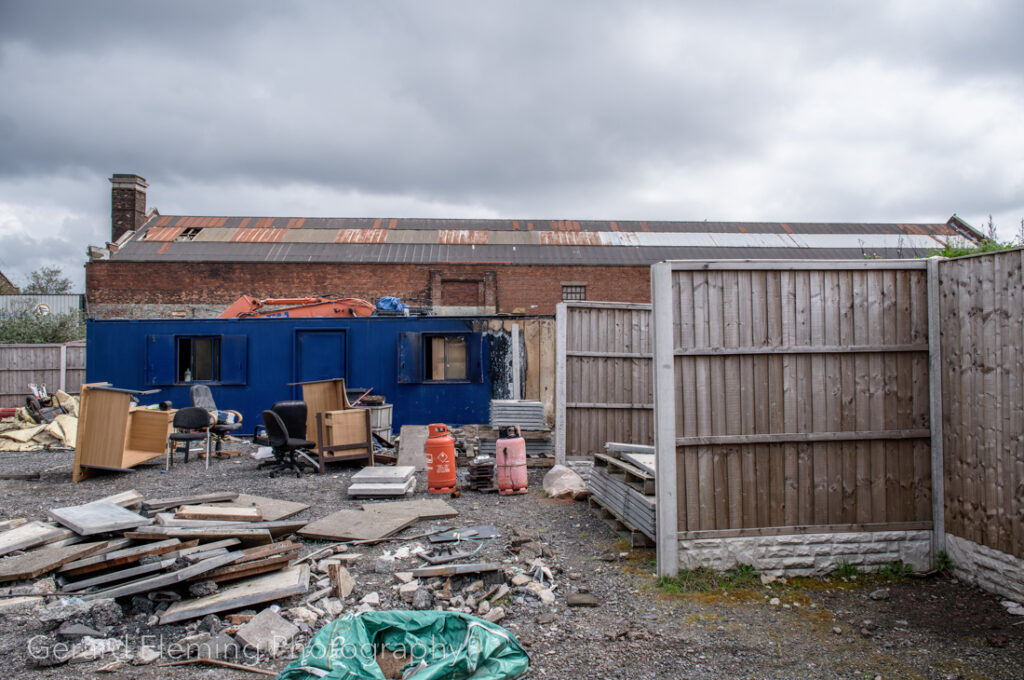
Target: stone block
{"type": "Point", "coordinates": [267, 632]}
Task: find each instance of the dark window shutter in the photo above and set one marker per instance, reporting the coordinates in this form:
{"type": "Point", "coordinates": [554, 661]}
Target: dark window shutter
{"type": "Point", "coordinates": [160, 360]}
{"type": "Point", "coordinates": [410, 357]}
{"type": "Point", "coordinates": [233, 359]}
{"type": "Point", "coordinates": [475, 370]}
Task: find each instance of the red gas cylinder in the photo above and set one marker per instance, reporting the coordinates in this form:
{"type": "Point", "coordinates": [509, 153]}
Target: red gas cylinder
{"type": "Point", "coordinates": [511, 461]}
{"type": "Point", "coordinates": [440, 451]}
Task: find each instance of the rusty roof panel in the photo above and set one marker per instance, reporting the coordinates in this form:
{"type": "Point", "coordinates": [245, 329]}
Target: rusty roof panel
{"type": "Point", "coordinates": [361, 236]}
{"type": "Point", "coordinates": [310, 236]}
{"type": "Point", "coordinates": [163, 233]}
{"type": "Point", "coordinates": [555, 238]}
{"type": "Point", "coordinates": [257, 235]}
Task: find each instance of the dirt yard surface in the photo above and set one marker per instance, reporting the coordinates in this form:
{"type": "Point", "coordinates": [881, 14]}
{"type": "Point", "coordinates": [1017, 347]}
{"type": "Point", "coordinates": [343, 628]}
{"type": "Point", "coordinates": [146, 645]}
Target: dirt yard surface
{"type": "Point", "coordinates": [861, 628]}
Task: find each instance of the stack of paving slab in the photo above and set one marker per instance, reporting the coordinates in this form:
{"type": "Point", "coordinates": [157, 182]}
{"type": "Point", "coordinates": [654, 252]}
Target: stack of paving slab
{"type": "Point", "coordinates": [622, 482]}
{"type": "Point", "coordinates": [385, 480]}
{"type": "Point", "coordinates": [529, 416]}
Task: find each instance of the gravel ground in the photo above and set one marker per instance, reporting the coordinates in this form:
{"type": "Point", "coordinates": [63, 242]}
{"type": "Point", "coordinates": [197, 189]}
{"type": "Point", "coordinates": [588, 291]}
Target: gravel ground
{"type": "Point", "coordinates": [925, 628]}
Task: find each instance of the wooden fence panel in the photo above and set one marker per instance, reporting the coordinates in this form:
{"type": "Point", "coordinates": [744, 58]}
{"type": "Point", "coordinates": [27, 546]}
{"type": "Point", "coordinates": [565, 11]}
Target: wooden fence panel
{"type": "Point", "coordinates": [982, 321]}
{"type": "Point", "coordinates": [799, 395]}
{"type": "Point", "coordinates": [605, 383]}
{"type": "Point", "coordinates": [39, 364]}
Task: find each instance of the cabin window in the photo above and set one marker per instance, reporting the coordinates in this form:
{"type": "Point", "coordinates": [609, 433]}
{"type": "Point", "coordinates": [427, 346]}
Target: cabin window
{"type": "Point", "coordinates": [198, 360]}
{"type": "Point", "coordinates": [446, 357]}
{"type": "Point", "coordinates": [440, 357]}
{"type": "Point", "coordinates": [181, 359]}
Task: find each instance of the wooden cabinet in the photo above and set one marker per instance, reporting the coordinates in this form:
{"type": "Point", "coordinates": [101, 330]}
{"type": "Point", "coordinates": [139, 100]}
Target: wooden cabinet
{"type": "Point", "coordinates": [113, 434]}
{"type": "Point", "coordinates": [344, 435]}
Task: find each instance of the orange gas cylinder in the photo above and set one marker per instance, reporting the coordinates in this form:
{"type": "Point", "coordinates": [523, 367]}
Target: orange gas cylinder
{"type": "Point", "coordinates": [510, 455]}
{"type": "Point", "coordinates": [440, 451]}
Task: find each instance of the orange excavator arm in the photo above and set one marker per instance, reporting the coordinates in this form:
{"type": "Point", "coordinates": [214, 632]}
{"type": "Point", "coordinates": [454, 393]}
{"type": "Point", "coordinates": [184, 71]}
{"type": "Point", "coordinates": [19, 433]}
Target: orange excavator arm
{"type": "Point", "coordinates": [251, 308]}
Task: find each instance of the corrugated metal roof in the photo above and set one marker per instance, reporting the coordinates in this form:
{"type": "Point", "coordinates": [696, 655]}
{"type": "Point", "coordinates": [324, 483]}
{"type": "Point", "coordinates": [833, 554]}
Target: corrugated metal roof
{"type": "Point", "coordinates": [424, 241]}
{"type": "Point", "coordinates": [428, 254]}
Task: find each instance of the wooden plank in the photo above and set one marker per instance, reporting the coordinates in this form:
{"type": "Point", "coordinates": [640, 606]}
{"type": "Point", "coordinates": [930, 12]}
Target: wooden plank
{"type": "Point", "coordinates": [115, 576]}
{"type": "Point", "coordinates": [915, 347]}
{"type": "Point", "coordinates": [117, 558]}
{"type": "Point", "coordinates": [273, 509]}
{"type": "Point", "coordinates": [219, 513]}
{"type": "Point", "coordinates": [805, 437]}
{"type": "Point", "coordinates": [159, 581]}
{"type": "Point", "coordinates": [244, 533]}
{"type": "Point", "coordinates": [808, 529]}
{"type": "Point", "coordinates": [411, 446]}
{"type": "Point", "coordinates": [267, 588]}
{"type": "Point", "coordinates": [44, 560]}
{"type": "Point", "coordinates": [233, 572]}
{"type": "Point", "coordinates": [97, 518]}
{"type": "Point", "coordinates": [793, 265]}
{"type": "Point", "coordinates": [126, 499]}
{"type": "Point", "coordinates": [31, 535]}
{"type": "Point", "coordinates": [157, 504]}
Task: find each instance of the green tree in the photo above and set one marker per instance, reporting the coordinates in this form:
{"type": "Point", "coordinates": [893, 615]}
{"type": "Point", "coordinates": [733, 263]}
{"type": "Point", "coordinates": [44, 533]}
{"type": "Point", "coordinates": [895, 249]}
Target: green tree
{"type": "Point", "coordinates": [47, 280]}
{"type": "Point", "coordinates": [24, 326]}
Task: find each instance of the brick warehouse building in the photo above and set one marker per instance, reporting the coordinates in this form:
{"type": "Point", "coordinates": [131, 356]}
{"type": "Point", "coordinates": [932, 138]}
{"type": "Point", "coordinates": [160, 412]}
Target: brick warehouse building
{"type": "Point", "coordinates": [193, 266]}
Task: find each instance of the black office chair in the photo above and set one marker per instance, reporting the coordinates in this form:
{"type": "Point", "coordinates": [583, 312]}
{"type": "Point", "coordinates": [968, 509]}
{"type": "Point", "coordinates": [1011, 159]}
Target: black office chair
{"type": "Point", "coordinates": [202, 397]}
{"type": "Point", "coordinates": [190, 424]}
{"type": "Point", "coordinates": [290, 453]}
{"type": "Point", "coordinates": [293, 413]}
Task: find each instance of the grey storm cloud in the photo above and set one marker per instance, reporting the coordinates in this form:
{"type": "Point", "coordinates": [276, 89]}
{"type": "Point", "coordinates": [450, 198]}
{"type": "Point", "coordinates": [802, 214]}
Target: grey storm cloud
{"type": "Point", "coordinates": [730, 110]}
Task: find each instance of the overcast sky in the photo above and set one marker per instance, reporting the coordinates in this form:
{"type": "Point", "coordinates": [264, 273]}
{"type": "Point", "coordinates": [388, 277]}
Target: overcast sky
{"type": "Point", "coordinates": [780, 111]}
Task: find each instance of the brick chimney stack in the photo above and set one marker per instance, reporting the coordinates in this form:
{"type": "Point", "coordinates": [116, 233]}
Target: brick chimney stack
{"type": "Point", "coordinates": [127, 204]}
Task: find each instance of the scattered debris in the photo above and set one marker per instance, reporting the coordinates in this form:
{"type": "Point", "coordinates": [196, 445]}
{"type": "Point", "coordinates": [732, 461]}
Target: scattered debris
{"type": "Point", "coordinates": [561, 482]}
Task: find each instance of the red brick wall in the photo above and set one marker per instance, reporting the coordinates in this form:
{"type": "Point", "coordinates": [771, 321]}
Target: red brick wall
{"type": "Point", "coordinates": [520, 289]}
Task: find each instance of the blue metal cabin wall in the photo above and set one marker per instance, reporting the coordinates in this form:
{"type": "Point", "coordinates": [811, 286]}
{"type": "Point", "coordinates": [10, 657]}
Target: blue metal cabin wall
{"type": "Point", "coordinates": [117, 354]}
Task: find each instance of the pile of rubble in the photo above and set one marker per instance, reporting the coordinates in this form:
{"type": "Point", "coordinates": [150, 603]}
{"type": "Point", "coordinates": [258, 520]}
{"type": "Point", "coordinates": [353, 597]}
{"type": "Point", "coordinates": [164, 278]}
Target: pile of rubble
{"type": "Point", "coordinates": [210, 579]}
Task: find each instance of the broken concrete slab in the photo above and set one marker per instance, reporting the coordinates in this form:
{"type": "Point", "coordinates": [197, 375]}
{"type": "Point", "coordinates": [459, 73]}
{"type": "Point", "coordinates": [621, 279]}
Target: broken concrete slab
{"type": "Point", "coordinates": [430, 508]}
{"type": "Point", "coordinates": [358, 524]}
{"type": "Point", "coordinates": [220, 646]}
{"type": "Point", "coordinates": [268, 632]}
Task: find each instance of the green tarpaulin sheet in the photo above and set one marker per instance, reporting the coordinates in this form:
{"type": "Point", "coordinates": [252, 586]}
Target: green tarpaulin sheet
{"type": "Point", "coordinates": [437, 645]}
